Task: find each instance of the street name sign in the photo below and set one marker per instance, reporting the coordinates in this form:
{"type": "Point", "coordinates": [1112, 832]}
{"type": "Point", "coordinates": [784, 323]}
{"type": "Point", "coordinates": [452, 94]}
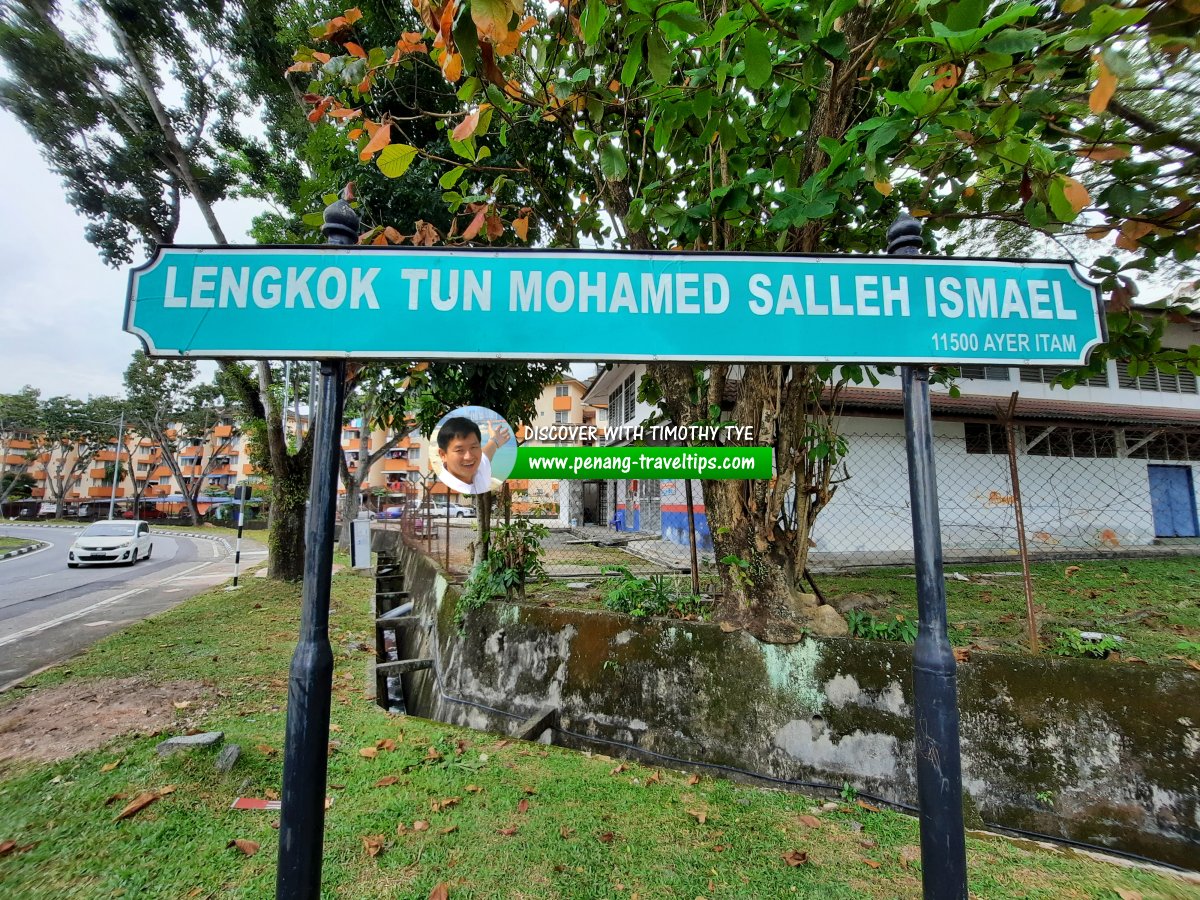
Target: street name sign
{"type": "Point", "coordinates": [415, 303]}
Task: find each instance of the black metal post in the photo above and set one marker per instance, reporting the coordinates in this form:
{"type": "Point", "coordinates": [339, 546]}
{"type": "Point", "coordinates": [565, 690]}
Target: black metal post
{"type": "Point", "coordinates": [935, 676]}
{"type": "Point", "coordinates": [310, 682]}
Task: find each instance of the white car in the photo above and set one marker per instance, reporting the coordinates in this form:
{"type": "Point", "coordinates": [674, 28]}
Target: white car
{"type": "Point", "coordinates": [112, 541]}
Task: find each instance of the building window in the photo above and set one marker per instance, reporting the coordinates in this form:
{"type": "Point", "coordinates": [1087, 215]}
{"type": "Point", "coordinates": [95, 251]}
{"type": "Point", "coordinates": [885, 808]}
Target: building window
{"type": "Point", "coordinates": [1079, 443]}
{"type": "Point", "coordinates": [1047, 374]}
{"type": "Point", "coordinates": [414, 452]}
{"type": "Point", "coordinates": [1171, 446]}
{"type": "Point", "coordinates": [630, 397]}
{"type": "Point", "coordinates": [1154, 380]}
{"type": "Point", "coordinates": [984, 373]}
{"type": "Point", "coordinates": [560, 417]}
{"type": "Point", "coordinates": [601, 414]}
{"type": "Point", "coordinates": [560, 390]}
{"type": "Point", "coordinates": [990, 439]}
{"type": "Point", "coordinates": [616, 403]}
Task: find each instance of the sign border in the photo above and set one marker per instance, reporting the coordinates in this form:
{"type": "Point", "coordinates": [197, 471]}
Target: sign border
{"type": "Point", "coordinates": [1071, 266]}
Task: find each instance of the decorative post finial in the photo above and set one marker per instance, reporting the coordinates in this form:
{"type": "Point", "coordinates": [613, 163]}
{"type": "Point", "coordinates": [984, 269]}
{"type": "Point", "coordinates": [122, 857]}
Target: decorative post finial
{"type": "Point", "coordinates": [904, 236]}
{"type": "Point", "coordinates": [341, 221]}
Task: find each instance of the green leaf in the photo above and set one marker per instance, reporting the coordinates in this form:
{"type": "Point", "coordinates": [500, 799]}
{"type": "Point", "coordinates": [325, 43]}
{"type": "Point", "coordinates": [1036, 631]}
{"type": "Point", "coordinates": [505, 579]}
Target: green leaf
{"type": "Point", "coordinates": [1016, 40]}
{"type": "Point", "coordinates": [315, 219]}
{"type": "Point", "coordinates": [659, 58]}
{"type": "Point", "coordinates": [833, 45]}
{"type": "Point", "coordinates": [394, 159]}
{"type": "Point", "coordinates": [591, 23]}
{"type": "Point", "coordinates": [466, 38]}
{"type": "Point", "coordinates": [633, 61]}
{"type": "Point", "coordinates": [636, 217]}
{"type": "Point", "coordinates": [612, 162]}
{"type": "Point", "coordinates": [757, 54]}
{"type": "Point", "coordinates": [450, 179]}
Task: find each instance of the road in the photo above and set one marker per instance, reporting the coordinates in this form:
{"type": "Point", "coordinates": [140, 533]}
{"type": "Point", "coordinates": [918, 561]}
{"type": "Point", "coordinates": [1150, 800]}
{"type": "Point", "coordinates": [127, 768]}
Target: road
{"type": "Point", "coordinates": [49, 613]}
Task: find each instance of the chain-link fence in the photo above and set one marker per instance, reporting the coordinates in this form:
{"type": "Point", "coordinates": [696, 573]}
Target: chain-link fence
{"type": "Point", "coordinates": [1083, 491]}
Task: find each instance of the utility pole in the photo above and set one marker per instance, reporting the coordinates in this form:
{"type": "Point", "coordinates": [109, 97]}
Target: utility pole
{"type": "Point", "coordinates": [112, 500]}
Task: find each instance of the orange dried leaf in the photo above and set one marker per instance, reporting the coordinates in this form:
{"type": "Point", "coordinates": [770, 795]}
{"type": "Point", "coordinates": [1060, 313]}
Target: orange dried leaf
{"type": "Point", "coordinates": [368, 752]}
{"type": "Point", "coordinates": [420, 825]}
{"type": "Point", "coordinates": [509, 831]}
{"type": "Point", "coordinates": [473, 789]}
{"type": "Point", "coordinates": [1099, 233]}
{"type": "Point", "coordinates": [249, 848]}
{"type": "Point", "coordinates": [451, 66]}
{"type": "Point", "coordinates": [564, 832]}
{"type": "Point", "coordinates": [476, 223]}
{"type": "Point", "coordinates": [1103, 153]}
{"type": "Point", "coordinates": [440, 892]}
{"type": "Point", "coordinates": [321, 57]}
{"type": "Point", "coordinates": [526, 23]}
{"type": "Point", "coordinates": [1106, 86]}
{"type": "Point", "coordinates": [466, 128]}
{"type": "Point", "coordinates": [303, 66]}
{"type": "Point", "coordinates": [373, 844]}
{"type": "Point", "coordinates": [693, 779]}
{"type": "Point", "coordinates": [386, 781]}
{"type": "Point", "coordinates": [701, 815]}
{"type": "Point", "coordinates": [353, 15]}
{"type": "Point", "coordinates": [523, 806]}
{"type": "Point", "coordinates": [108, 767]}
{"type": "Point", "coordinates": [345, 113]}
{"type": "Point", "coordinates": [521, 227]}
{"type": "Point", "coordinates": [872, 863]}
{"type": "Point", "coordinates": [355, 50]}
{"type": "Point", "coordinates": [1075, 193]}
{"type": "Point", "coordinates": [795, 857]}
{"type": "Point", "coordinates": [606, 838]}
{"type": "Point", "coordinates": [380, 139]}
{"type": "Point", "coordinates": [393, 235]}
{"type": "Point", "coordinates": [137, 804]}
{"type": "Point", "coordinates": [810, 821]}
{"type": "Point", "coordinates": [320, 110]}
{"type": "Point", "coordinates": [884, 187]}
{"type": "Point", "coordinates": [495, 227]}
{"type": "Point", "coordinates": [867, 806]}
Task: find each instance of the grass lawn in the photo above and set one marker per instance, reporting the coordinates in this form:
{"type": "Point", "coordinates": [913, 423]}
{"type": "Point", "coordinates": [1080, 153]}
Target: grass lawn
{"type": "Point", "coordinates": [488, 817]}
{"type": "Point", "coordinates": [1153, 603]}
{"type": "Point", "coordinates": [12, 543]}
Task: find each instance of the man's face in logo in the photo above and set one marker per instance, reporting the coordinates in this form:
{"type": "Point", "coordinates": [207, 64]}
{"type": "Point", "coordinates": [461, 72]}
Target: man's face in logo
{"type": "Point", "coordinates": [461, 457]}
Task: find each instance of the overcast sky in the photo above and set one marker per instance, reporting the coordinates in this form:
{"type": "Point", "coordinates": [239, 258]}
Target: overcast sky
{"type": "Point", "coordinates": [61, 307]}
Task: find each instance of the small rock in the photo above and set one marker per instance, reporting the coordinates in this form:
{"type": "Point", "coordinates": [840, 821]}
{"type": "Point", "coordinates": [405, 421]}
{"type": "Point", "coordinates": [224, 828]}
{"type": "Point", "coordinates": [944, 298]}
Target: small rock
{"type": "Point", "coordinates": [828, 807]}
{"type": "Point", "coordinates": [190, 742]}
{"type": "Point", "coordinates": [856, 826]}
{"type": "Point", "coordinates": [1097, 636]}
{"type": "Point", "coordinates": [227, 757]}
{"type": "Point", "coordinates": [579, 585]}
{"type": "Point", "coordinates": [826, 622]}
{"type": "Point", "coordinates": [857, 600]}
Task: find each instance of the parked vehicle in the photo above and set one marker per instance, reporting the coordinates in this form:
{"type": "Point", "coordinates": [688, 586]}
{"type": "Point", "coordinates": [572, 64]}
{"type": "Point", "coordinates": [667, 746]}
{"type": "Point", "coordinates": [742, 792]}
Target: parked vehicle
{"type": "Point", "coordinates": [147, 512]}
{"type": "Point", "coordinates": [112, 541]}
{"type": "Point", "coordinates": [392, 512]}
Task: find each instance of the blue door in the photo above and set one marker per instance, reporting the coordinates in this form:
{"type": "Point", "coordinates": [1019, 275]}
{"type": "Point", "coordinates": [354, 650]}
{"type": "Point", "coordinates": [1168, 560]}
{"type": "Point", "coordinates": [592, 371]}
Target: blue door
{"type": "Point", "coordinates": [1173, 501]}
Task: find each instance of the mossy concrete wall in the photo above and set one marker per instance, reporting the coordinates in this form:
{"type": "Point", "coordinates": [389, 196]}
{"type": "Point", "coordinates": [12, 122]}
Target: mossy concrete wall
{"type": "Point", "coordinates": [1099, 752]}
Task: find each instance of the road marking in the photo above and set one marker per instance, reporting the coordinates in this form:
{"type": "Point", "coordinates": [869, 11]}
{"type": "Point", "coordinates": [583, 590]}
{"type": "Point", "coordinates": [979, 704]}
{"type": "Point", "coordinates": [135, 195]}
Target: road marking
{"type": "Point", "coordinates": [216, 551]}
{"type": "Point", "coordinates": [48, 546]}
{"type": "Point", "coordinates": [35, 629]}
{"type": "Point", "coordinates": [36, 577]}
{"type": "Point", "coordinates": [184, 572]}
{"type": "Point", "coordinates": [97, 624]}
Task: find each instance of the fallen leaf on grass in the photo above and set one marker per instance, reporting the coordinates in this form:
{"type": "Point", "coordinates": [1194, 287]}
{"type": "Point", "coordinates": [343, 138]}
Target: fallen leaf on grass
{"type": "Point", "coordinates": [473, 789]}
{"type": "Point", "coordinates": [1126, 894]}
{"type": "Point", "coordinates": [701, 815]}
{"type": "Point", "coordinates": [606, 838]}
{"type": "Point", "coordinates": [867, 806]}
{"type": "Point", "coordinates": [137, 804]}
{"type": "Point", "coordinates": [249, 848]}
{"type": "Point", "coordinates": [718, 848]}
{"type": "Point", "coordinates": [7, 847]}
{"type": "Point", "coordinates": [181, 704]}
{"type": "Point", "coordinates": [654, 778]}
{"type": "Point", "coordinates": [386, 744]}
{"type": "Point", "coordinates": [440, 892]}
{"type": "Point", "coordinates": [420, 825]}
{"type": "Point", "coordinates": [510, 830]}
{"type": "Point", "coordinates": [523, 806]}
{"type": "Point", "coordinates": [108, 767]}
{"type": "Point", "coordinates": [449, 829]}
{"type": "Point", "coordinates": [693, 779]}
{"type": "Point", "coordinates": [439, 805]}
{"type": "Point", "coordinates": [619, 769]}
{"type": "Point", "coordinates": [1071, 570]}
{"type": "Point", "coordinates": [433, 754]}
{"type": "Point", "coordinates": [265, 749]}
{"type": "Point", "coordinates": [386, 781]}
{"type": "Point", "coordinates": [368, 752]}
{"type": "Point", "coordinates": [565, 832]}
{"type": "Point", "coordinates": [867, 844]}
{"type": "Point", "coordinates": [872, 863]}
{"type": "Point", "coordinates": [500, 745]}
{"type": "Point", "coordinates": [114, 798]}
{"type": "Point", "coordinates": [909, 855]}
{"type": "Point", "coordinates": [271, 794]}
{"type": "Point", "coordinates": [373, 844]}
{"type": "Point", "coordinates": [529, 790]}
{"type": "Point", "coordinates": [810, 821]}
{"type": "Point", "coordinates": [335, 727]}
{"type": "Point", "coordinates": [795, 857]}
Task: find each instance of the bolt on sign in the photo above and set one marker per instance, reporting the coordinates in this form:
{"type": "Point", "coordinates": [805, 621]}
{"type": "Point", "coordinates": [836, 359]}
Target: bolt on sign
{"type": "Point", "coordinates": [379, 303]}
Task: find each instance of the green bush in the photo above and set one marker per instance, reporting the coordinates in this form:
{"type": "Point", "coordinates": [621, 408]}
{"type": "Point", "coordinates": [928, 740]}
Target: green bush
{"type": "Point", "coordinates": [640, 597]}
{"type": "Point", "coordinates": [1072, 643]}
{"type": "Point", "coordinates": [865, 625]}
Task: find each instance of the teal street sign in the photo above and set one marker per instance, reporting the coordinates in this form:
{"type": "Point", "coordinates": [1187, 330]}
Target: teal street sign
{"type": "Point", "coordinates": [408, 303]}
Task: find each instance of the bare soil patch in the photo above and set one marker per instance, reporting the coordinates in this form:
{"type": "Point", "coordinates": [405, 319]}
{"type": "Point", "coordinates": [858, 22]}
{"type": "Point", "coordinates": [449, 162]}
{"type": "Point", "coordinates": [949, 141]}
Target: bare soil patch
{"type": "Point", "coordinates": [70, 718]}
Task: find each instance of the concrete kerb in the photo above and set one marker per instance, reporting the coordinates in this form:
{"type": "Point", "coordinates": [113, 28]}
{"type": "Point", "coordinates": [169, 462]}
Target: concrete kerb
{"type": "Point", "coordinates": [21, 551]}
